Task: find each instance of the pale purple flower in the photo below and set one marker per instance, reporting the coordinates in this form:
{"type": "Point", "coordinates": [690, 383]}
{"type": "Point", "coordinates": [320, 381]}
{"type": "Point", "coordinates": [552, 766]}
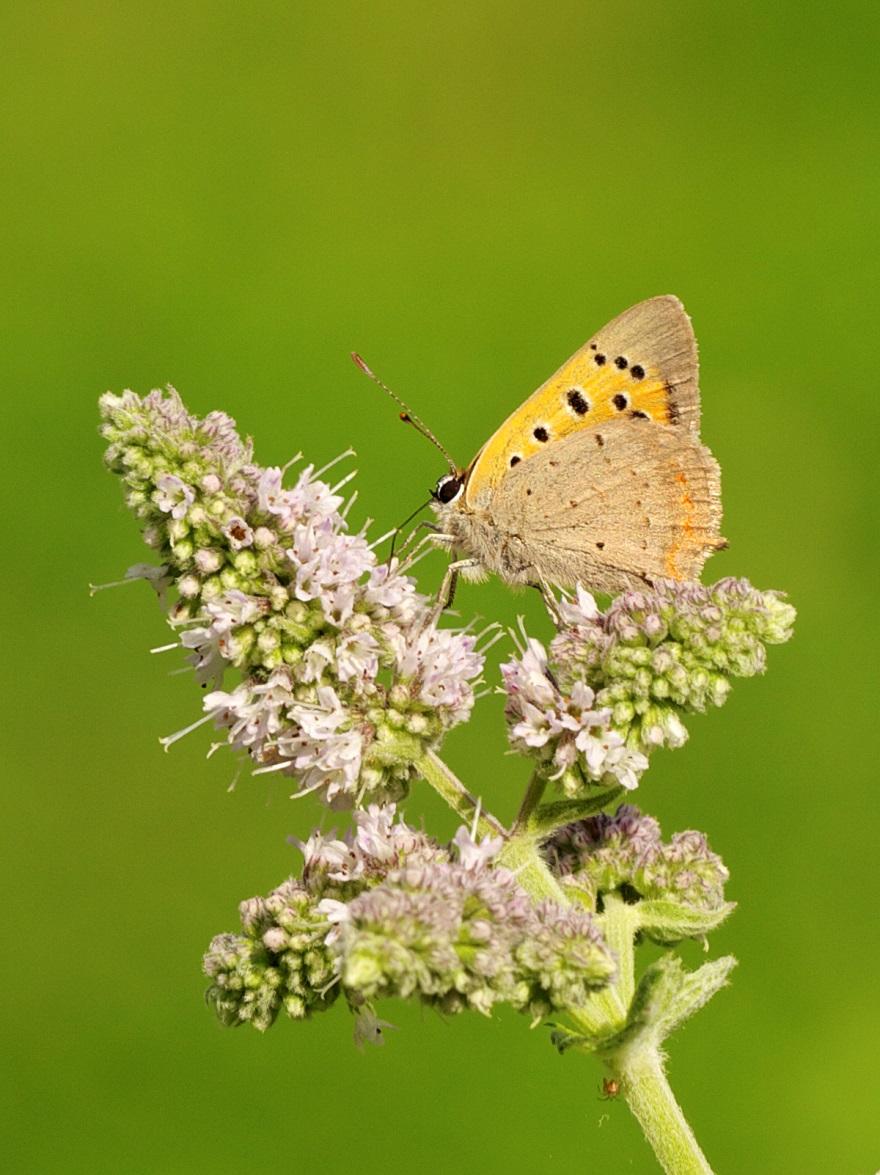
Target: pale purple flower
{"type": "Point", "coordinates": [357, 657]}
{"type": "Point", "coordinates": [474, 854]}
{"type": "Point", "coordinates": [327, 567]}
{"type": "Point", "coordinates": [313, 498]}
{"type": "Point", "coordinates": [173, 496]}
{"type": "Point", "coordinates": [324, 753]}
{"type": "Point", "coordinates": [582, 610]}
{"type": "Point", "coordinates": [254, 713]}
{"type": "Point", "coordinates": [379, 841]}
{"type": "Point", "coordinates": [207, 658]}
{"type": "Point", "coordinates": [606, 756]}
{"type": "Point", "coordinates": [270, 492]}
{"type": "Point", "coordinates": [439, 665]}
{"type": "Point", "coordinates": [345, 681]}
{"type": "Point", "coordinates": [565, 730]}
{"type": "Point", "coordinates": [208, 560]}
{"type": "Point", "coordinates": [309, 499]}
{"type": "Point", "coordinates": [393, 596]}
{"type": "Point", "coordinates": [238, 533]}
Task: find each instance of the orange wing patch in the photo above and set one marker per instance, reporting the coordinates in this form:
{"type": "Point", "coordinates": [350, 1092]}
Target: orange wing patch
{"type": "Point", "coordinates": [686, 538]}
{"type": "Point", "coordinates": [643, 364]}
{"type": "Point", "coordinates": [582, 394]}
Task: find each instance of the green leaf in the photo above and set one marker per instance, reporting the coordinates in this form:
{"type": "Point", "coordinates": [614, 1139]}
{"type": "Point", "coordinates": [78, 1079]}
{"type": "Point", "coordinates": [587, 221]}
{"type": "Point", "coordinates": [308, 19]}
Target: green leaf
{"type": "Point", "coordinates": [666, 921]}
{"type": "Point", "coordinates": [666, 996]}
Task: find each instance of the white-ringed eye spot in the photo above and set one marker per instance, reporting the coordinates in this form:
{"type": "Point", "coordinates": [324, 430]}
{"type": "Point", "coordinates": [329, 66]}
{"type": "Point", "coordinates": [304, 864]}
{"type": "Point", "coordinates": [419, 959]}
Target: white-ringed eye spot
{"type": "Point", "coordinates": [541, 434]}
{"type": "Point", "coordinates": [515, 460]}
{"type": "Point", "coordinates": [620, 401]}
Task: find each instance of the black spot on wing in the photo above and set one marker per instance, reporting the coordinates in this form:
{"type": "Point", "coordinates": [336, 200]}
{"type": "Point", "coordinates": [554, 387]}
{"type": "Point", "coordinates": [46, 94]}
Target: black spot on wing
{"type": "Point", "coordinates": [576, 401]}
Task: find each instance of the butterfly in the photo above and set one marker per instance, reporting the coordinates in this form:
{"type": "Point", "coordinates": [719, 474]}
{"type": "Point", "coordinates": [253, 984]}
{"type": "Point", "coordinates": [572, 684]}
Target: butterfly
{"type": "Point", "coordinates": [600, 477]}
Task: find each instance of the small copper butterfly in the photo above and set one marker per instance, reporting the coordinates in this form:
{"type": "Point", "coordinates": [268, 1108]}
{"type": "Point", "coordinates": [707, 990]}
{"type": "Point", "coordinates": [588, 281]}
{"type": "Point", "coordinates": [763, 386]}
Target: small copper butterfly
{"type": "Point", "coordinates": [599, 477]}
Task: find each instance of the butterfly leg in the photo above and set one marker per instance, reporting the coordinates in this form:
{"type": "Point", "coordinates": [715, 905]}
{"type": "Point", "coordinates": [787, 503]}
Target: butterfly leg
{"type": "Point", "coordinates": [549, 600]}
{"type": "Point", "coordinates": [398, 530]}
{"type": "Point", "coordinates": [447, 588]}
{"type": "Point", "coordinates": [430, 541]}
{"type": "Point", "coordinates": [424, 525]}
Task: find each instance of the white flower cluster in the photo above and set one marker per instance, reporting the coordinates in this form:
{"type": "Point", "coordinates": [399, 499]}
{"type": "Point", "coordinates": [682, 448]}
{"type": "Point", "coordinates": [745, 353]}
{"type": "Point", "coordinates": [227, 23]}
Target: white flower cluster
{"type": "Point", "coordinates": [615, 685]}
{"type": "Point", "coordinates": [565, 731]}
{"type": "Point", "coordinates": [388, 911]}
{"type": "Point", "coordinates": [345, 679]}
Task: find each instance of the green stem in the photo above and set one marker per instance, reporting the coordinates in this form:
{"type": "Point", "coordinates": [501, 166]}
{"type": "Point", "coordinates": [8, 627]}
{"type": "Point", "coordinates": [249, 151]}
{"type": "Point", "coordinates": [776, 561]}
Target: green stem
{"type": "Point", "coordinates": [603, 1014]}
{"type": "Point", "coordinates": [637, 1064]}
{"type": "Point", "coordinates": [521, 857]}
{"type": "Point", "coordinates": [619, 923]}
{"type": "Point", "coordinates": [644, 1086]}
{"type": "Point", "coordinates": [535, 790]}
{"type": "Point", "coordinates": [449, 787]}
{"type": "Point", "coordinates": [639, 1068]}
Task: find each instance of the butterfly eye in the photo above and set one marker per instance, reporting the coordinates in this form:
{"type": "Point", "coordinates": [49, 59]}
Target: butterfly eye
{"type": "Point", "coordinates": [448, 488]}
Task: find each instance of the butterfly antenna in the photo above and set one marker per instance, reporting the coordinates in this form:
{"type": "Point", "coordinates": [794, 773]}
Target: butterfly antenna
{"type": "Point", "coordinates": [406, 415]}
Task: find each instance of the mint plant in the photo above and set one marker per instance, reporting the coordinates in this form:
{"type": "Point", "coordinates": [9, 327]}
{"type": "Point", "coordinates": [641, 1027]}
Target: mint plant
{"type": "Point", "coordinates": [327, 666]}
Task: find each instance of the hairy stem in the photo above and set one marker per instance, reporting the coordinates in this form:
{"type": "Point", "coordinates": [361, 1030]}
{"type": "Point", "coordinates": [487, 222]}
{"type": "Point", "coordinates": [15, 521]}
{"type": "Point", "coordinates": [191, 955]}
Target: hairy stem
{"type": "Point", "coordinates": [603, 1014]}
{"type": "Point", "coordinates": [449, 787]}
{"type": "Point", "coordinates": [644, 1085]}
{"type": "Point", "coordinates": [637, 1065]}
{"type": "Point", "coordinates": [534, 791]}
{"type": "Point", "coordinates": [619, 923]}
{"type": "Point", "coordinates": [522, 858]}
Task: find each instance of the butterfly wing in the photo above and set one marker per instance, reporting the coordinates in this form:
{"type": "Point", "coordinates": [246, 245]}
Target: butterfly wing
{"type": "Point", "coordinates": [644, 362]}
{"type": "Point", "coordinates": [612, 507]}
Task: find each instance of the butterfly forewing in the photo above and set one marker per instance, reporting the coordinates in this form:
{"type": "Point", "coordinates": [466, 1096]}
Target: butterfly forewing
{"type": "Point", "coordinates": [641, 366]}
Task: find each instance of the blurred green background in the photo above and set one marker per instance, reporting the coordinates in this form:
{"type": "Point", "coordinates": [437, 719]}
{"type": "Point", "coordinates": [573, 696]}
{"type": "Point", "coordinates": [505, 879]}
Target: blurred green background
{"type": "Point", "coordinates": [232, 197]}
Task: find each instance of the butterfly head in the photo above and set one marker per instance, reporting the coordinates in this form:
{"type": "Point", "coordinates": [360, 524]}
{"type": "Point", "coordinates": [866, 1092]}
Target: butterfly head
{"type": "Point", "coordinates": [448, 488]}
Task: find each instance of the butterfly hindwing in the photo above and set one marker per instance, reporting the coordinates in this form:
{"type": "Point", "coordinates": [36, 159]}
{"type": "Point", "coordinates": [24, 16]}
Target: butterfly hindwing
{"type": "Point", "coordinates": [642, 365]}
{"type": "Point", "coordinates": [616, 506]}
